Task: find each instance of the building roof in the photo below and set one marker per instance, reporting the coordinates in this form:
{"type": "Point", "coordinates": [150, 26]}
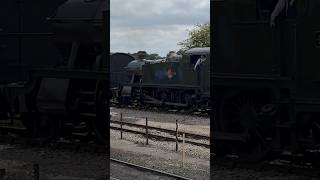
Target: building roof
{"type": "Point", "coordinates": [198, 51]}
{"type": "Point", "coordinates": [120, 53]}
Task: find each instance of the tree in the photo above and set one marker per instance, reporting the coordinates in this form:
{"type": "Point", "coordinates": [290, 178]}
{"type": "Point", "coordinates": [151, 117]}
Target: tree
{"type": "Point", "coordinates": [153, 56]}
{"type": "Point", "coordinates": [181, 52]}
{"type": "Point", "coordinates": [199, 36]}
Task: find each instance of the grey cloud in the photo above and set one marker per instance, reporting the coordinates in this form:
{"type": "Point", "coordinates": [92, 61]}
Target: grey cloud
{"type": "Point", "coordinates": [166, 12]}
{"type": "Point", "coordinates": [154, 25]}
{"type": "Point", "coordinates": [160, 40]}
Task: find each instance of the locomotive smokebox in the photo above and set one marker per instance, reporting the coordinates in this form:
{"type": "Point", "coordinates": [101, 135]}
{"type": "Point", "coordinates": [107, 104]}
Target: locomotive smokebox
{"type": "Point", "coordinates": [79, 21]}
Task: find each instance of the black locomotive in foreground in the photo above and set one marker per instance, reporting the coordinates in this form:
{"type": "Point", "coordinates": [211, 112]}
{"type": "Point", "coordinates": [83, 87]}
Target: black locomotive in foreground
{"type": "Point", "coordinates": [266, 79]}
{"type": "Point", "coordinates": [54, 66]}
{"type": "Point", "coordinates": [177, 81]}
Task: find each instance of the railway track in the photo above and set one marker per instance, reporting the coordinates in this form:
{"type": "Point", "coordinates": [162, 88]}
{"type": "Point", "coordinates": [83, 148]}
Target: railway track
{"type": "Point", "coordinates": [192, 112]}
{"type": "Point", "coordinates": [79, 139]}
{"type": "Point", "coordinates": [151, 173]}
{"type": "Point", "coordinates": [170, 134]}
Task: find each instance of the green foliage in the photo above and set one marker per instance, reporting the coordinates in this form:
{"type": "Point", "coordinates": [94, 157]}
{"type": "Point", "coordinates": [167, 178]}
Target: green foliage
{"type": "Point", "coordinates": [199, 36]}
{"type": "Point", "coordinates": [181, 52]}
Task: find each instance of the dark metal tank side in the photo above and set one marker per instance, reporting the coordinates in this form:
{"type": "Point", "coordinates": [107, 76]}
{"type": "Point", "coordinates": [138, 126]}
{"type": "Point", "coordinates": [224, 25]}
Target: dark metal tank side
{"type": "Point", "coordinates": [266, 71]}
{"type": "Point", "coordinates": [25, 38]}
{"type": "Point", "coordinates": [118, 74]}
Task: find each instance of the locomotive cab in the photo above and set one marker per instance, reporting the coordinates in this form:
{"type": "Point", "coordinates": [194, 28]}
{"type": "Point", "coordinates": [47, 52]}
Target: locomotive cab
{"type": "Point", "coordinates": [195, 53]}
{"type": "Point", "coordinates": [202, 68]}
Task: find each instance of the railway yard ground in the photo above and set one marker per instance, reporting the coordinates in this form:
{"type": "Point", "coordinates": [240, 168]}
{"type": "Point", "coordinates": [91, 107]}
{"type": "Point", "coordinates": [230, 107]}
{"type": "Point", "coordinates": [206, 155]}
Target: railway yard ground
{"type": "Point", "coordinates": [162, 155]}
{"type": "Point", "coordinates": [57, 163]}
{"type": "Point", "coordinates": [221, 173]}
{"type": "Point", "coordinates": [158, 154]}
{"type": "Point", "coordinates": [18, 162]}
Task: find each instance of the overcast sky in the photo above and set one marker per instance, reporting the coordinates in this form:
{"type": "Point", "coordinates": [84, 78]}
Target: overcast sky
{"type": "Point", "coordinates": [155, 26]}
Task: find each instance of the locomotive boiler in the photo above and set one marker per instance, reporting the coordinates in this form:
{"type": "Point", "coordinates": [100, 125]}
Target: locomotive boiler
{"type": "Point", "coordinates": [66, 88]}
{"type": "Point", "coordinates": [265, 78]}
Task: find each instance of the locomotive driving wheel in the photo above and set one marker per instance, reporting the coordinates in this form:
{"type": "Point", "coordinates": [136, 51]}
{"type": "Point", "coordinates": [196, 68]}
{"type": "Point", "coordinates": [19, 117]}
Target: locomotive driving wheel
{"type": "Point", "coordinates": [241, 114]}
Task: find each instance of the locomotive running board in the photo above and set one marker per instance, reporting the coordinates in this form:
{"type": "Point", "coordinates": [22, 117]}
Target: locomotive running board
{"type": "Point", "coordinates": [231, 137]}
{"type": "Point", "coordinates": [153, 100]}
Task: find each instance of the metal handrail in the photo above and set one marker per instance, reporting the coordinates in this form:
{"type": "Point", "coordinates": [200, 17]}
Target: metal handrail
{"type": "Point", "coordinates": [75, 20]}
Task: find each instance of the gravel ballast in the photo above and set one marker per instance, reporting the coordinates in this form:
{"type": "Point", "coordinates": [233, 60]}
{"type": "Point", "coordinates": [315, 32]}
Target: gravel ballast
{"type": "Point", "coordinates": [53, 164]}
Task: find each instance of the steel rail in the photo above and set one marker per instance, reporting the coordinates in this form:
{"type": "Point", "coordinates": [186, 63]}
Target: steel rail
{"type": "Point", "coordinates": [187, 134]}
{"type": "Point", "coordinates": [159, 137]}
{"type": "Point", "coordinates": [149, 169]}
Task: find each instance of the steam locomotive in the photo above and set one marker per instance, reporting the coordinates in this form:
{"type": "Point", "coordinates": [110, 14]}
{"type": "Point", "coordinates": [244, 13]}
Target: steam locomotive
{"type": "Point", "coordinates": [54, 61]}
{"type": "Point", "coordinates": [175, 81]}
{"type": "Point", "coordinates": [265, 79]}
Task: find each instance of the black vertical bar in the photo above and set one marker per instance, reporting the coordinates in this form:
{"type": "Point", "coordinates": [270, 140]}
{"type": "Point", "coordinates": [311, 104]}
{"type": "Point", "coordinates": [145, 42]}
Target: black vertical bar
{"type": "Point", "coordinates": [212, 116]}
{"type": "Point", "coordinates": [36, 171]}
{"type": "Point", "coordinates": [140, 89]}
{"type": "Point", "coordinates": [2, 173]}
{"type": "Point", "coordinates": [147, 130]}
{"type": "Point", "coordinates": [176, 135]}
{"type": "Point", "coordinates": [121, 125]}
{"type": "Point", "coordinates": [20, 40]}
{"type": "Point", "coordinates": [105, 54]}
{"type": "Point", "coordinates": [11, 114]}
